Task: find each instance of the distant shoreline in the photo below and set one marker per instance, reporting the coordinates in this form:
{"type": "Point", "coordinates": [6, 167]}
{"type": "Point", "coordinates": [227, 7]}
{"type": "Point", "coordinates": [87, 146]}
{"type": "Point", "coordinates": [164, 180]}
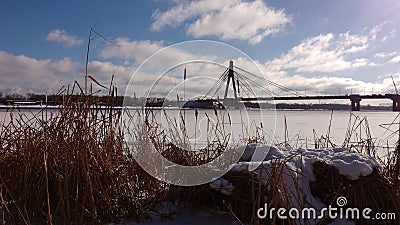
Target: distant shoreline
{"type": "Point", "coordinates": [280, 107]}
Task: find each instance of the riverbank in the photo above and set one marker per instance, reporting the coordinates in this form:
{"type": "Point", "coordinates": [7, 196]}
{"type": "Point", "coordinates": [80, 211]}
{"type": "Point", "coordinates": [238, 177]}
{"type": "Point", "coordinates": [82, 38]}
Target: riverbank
{"type": "Point", "coordinates": [74, 167]}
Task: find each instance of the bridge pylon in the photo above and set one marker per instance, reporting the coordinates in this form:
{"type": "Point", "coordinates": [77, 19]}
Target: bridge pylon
{"type": "Point", "coordinates": [231, 76]}
{"type": "Point", "coordinates": [231, 102]}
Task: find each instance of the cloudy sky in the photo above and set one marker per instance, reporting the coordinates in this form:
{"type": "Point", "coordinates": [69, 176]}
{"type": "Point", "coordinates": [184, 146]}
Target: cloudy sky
{"type": "Point", "coordinates": [310, 46]}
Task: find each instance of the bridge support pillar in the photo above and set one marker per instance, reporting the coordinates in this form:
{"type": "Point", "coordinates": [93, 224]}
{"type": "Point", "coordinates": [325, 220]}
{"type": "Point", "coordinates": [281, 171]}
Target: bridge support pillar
{"type": "Point", "coordinates": [355, 102]}
{"type": "Point", "coordinates": [396, 105]}
{"type": "Point", "coordinates": [231, 76]}
{"type": "Point", "coordinates": [396, 101]}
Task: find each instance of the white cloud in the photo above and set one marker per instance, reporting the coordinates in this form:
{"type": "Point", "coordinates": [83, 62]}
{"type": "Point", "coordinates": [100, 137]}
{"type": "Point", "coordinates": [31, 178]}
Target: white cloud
{"type": "Point", "coordinates": [296, 69]}
{"type": "Point", "coordinates": [324, 53]}
{"type": "Point", "coordinates": [380, 55]}
{"type": "Point", "coordinates": [395, 59]}
{"type": "Point", "coordinates": [392, 34]}
{"type": "Point", "coordinates": [383, 31]}
{"type": "Point", "coordinates": [250, 21]}
{"type": "Point", "coordinates": [141, 50]}
{"type": "Point", "coordinates": [61, 36]}
{"type": "Point", "coordinates": [384, 55]}
{"type": "Point", "coordinates": [321, 85]}
{"type": "Point", "coordinates": [376, 29]}
{"type": "Point", "coordinates": [127, 49]}
{"type": "Point", "coordinates": [25, 74]}
{"type": "Point", "coordinates": [185, 10]}
{"type": "Point", "coordinates": [32, 75]}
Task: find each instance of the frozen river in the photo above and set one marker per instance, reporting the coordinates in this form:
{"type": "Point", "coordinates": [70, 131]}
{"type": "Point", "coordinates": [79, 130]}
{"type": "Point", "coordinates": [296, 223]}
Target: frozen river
{"type": "Point", "coordinates": [300, 129]}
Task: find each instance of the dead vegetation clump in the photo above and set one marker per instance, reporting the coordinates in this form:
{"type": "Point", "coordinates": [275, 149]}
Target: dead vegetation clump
{"type": "Point", "coordinates": [252, 189]}
{"type": "Point", "coordinates": [70, 166]}
{"type": "Point", "coordinates": [373, 191]}
{"type": "Point", "coordinates": [391, 167]}
{"type": "Point", "coordinates": [171, 139]}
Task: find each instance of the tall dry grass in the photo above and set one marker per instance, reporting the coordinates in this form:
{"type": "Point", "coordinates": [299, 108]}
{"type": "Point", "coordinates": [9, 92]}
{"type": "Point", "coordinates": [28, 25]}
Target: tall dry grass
{"type": "Point", "coordinates": [70, 166]}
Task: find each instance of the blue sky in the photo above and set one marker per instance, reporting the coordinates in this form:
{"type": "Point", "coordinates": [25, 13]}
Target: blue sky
{"type": "Point", "coordinates": [307, 45]}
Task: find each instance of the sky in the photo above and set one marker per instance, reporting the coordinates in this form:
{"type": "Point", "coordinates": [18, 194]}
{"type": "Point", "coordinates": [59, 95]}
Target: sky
{"type": "Point", "coordinates": [311, 46]}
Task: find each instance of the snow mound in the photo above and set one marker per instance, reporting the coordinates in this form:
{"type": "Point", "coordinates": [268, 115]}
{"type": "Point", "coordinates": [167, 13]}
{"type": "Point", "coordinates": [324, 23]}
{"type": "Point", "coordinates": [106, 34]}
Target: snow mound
{"type": "Point", "coordinates": [350, 164]}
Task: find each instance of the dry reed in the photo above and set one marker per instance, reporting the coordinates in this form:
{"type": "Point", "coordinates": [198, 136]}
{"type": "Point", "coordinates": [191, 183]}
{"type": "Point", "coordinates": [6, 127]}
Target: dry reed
{"type": "Point", "coordinates": [70, 166]}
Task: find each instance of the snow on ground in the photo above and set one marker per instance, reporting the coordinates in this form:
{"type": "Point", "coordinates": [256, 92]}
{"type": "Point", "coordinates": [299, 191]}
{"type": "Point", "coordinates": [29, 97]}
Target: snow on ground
{"type": "Point", "coordinates": [297, 175]}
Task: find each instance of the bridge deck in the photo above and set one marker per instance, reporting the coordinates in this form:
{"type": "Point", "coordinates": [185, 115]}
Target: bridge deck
{"type": "Point", "coordinates": [321, 97]}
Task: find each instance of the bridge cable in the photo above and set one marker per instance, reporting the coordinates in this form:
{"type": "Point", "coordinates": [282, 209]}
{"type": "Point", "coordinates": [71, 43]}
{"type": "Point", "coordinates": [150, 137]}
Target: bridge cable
{"type": "Point", "coordinates": [254, 83]}
{"type": "Point", "coordinates": [246, 85]}
{"type": "Point", "coordinates": [217, 84]}
{"type": "Point", "coordinates": [270, 82]}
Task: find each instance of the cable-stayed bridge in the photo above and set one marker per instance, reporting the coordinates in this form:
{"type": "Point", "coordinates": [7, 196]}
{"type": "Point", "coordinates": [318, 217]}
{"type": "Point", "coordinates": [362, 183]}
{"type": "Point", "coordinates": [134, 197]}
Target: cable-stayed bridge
{"type": "Point", "coordinates": [245, 84]}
